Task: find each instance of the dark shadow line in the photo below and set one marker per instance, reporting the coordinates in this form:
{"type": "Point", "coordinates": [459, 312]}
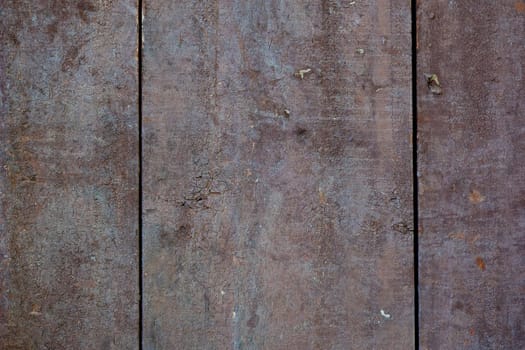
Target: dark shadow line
{"type": "Point", "coordinates": [415, 171]}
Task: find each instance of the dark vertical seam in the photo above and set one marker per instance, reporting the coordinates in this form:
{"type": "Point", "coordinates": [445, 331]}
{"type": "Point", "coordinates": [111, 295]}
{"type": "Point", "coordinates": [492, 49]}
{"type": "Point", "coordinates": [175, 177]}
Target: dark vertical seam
{"type": "Point", "coordinates": [140, 230]}
{"type": "Point", "coordinates": [415, 171]}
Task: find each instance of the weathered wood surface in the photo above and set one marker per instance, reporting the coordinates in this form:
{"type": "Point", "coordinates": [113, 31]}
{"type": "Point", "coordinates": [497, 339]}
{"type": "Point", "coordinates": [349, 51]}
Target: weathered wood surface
{"type": "Point", "coordinates": [277, 202]}
{"type": "Point", "coordinates": [69, 177]}
{"type": "Point", "coordinates": [472, 174]}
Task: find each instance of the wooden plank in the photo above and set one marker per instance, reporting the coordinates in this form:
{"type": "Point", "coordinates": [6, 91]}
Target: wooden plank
{"type": "Point", "coordinates": [471, 168]}
{"type": "Point", "coordinates": [69, 176]}
{"type": "Point", "coordinates": [277, 175]}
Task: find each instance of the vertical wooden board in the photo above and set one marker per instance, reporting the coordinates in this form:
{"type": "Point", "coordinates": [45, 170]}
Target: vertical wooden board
{"type": "Point", "coordinates": [472, 174]}
{"type": "Point", "coordinates": [277, 175]}
{"type": "Point", "coordinates": [69, 175]}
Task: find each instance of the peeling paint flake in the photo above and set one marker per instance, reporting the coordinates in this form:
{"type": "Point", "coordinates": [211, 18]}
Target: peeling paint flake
{"type": "Point", "coordinates": [302, 72]}
{"type": "Point", "coordinates": [433, 83]}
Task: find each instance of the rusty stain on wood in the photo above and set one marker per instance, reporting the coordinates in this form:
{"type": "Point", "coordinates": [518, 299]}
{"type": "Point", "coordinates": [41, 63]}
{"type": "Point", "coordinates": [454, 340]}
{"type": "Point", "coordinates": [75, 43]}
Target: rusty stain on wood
{"type": "Point", "coordinates": [301, 246]}
{"type": "Point", "coordinates": [471, 166]}
{"type": "Point", "coordinates": [68, 182]}
{"type": "Point", "coordinates": [480, 263]}
{"type": "Point", "coordinates": [520, 6]}
{"type": "Point", "coordinates": [475, 197]}
{"type": "Point", "coordinates": [277, 182]}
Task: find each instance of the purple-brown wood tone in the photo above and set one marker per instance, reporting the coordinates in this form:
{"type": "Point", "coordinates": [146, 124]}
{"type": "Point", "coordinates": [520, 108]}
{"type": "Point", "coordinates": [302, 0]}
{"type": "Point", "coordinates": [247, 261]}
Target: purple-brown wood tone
{"type": "Point", "coordinates": [69, 175]}
{"type": "Point", "coordinates": [277, 175]}
{"type": "Point", "coordinates": [472, 174]}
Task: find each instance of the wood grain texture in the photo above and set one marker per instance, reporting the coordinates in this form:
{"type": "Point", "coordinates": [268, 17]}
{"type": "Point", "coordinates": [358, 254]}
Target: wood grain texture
{"type": "Point", "coordinates": [277, 175]}
{"type": "Point", "coordinates": [472, 174]}
{"type": "Point", "coordinates": [69, 175]}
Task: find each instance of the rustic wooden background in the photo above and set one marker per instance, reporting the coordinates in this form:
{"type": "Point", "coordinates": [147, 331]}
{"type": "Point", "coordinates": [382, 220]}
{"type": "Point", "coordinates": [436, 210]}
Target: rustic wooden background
{"type": "Point", "coordinates": [245, 178]}
{"type": "Point", "coordinates": [69, 180]}
{"type": "Point", "coordinates": [471, 163]}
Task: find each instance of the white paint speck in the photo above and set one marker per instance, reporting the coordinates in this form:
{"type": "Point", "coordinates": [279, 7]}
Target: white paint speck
{"type": "Point", "coordinates": [384, 314]}
{"type": "Point", "coordinates": [223, 292]}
